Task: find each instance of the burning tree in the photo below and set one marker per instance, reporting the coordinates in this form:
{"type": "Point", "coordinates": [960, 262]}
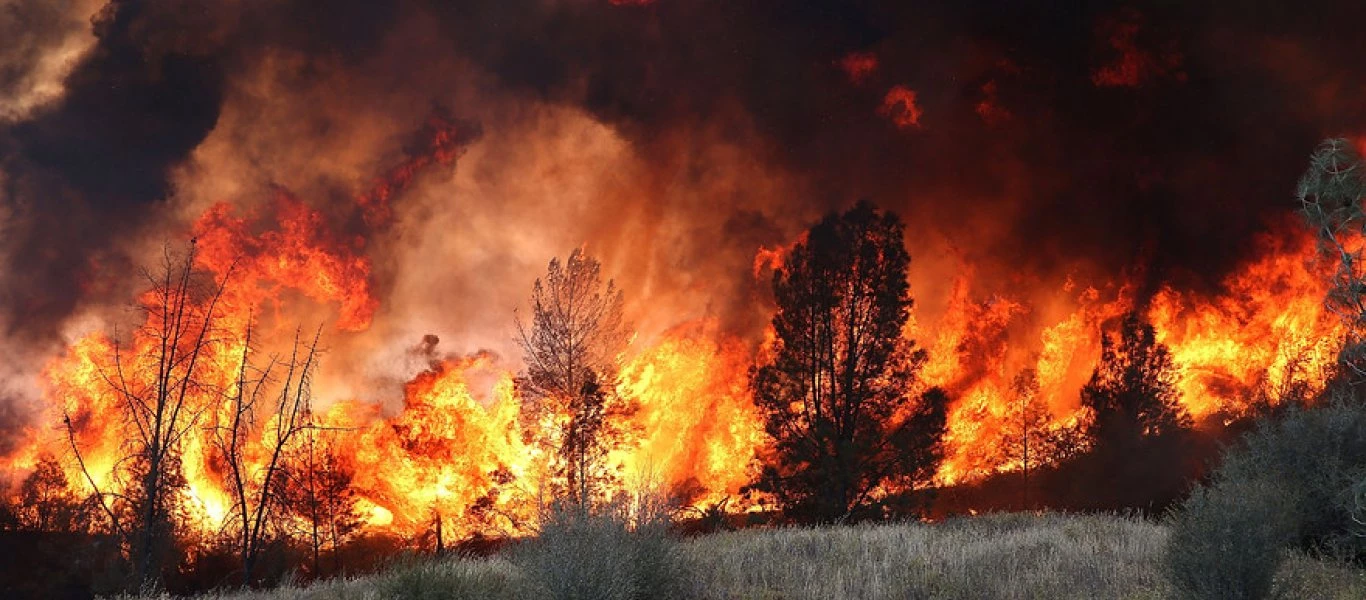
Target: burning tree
{"type": "Point", "coordinates": [255, 487]}
{"type": "Point", "coordinates": [837, 397]}
{"type": "Point", "coordinates": [1032, 442]}
{"type": "Point", "coordinates": [572, 348]}
{"type": "Point", "coordinates": [46, 501]}
{"type": "Point", "coordinates": [315, 492]}
{"type": "Point", "coordinates": [162, 389]}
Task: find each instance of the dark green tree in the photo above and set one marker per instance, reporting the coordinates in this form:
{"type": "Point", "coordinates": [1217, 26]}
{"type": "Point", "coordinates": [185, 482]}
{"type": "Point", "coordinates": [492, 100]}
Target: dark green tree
{"type": "Point", "coordinates": [839, 395]}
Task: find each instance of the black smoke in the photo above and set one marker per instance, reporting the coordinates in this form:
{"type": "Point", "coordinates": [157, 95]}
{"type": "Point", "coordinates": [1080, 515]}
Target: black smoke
{"type": "Point", "coordinates": [1177, 171]}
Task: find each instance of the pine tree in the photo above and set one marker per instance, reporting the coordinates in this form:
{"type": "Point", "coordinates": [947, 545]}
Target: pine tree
{"type": "Point", "coordinates": [839, 395]}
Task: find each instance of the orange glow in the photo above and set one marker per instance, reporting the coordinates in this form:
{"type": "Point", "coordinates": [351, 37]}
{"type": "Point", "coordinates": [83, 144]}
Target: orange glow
{"type": "Point", "coordinates": [296, 255]}
{"type": "Point", "coordinates": [1263, 333]}
{"type": "Point", "coordinates": [899, 106]}
{"type": "Point", "coordinates": [858, 66]}
{"type": "Point", "coordinates": [700, 427]}
{"type": "Point", "coordinates": [456, 450]}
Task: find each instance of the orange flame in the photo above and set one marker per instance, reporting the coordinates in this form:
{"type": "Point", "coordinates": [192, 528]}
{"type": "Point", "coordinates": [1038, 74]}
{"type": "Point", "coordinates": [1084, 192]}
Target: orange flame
{"type": "Point", "coordinates": [457, 449]}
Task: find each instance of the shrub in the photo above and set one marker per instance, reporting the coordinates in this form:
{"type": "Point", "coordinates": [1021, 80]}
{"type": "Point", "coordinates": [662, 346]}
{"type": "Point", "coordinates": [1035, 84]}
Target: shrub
{"type": "Point", "coordinates": [1286, 485]}
{"type": "Point", "coordinates": [582, 555]}
{"type": "Point", "coordinates": [452, 580]}
{"type": "Point", "coordinates": [1228, 541]}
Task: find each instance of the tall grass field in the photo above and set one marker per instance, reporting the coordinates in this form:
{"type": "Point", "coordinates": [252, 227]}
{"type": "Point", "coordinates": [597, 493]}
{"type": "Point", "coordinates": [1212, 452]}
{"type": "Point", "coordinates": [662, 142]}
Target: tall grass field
{"type": "Point", "coordinates": [1006, 556]}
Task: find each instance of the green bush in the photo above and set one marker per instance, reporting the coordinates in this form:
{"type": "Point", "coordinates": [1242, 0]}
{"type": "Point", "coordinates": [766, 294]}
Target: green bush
{"type": "Point", "coordinates": [600, 556]}
{"type": "Point", "coordinates": [1228, 541]}
{"type": "Point", "coordinates": [1287, 485]}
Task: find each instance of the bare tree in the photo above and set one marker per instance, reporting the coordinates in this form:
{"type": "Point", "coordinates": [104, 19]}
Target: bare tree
{"type": "Point", "coordinates": [255, 487]}
{"type": "Point", "coordinates": [572, 349]}
{"type": "Point", "coordinates": [162, 391]}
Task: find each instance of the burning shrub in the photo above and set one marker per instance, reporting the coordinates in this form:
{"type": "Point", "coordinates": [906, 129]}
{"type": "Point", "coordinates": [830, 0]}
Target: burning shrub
{"type": "Point", "coordinates": [1287, 485]}
{"type": "Point", "coordinates": [581, 555]}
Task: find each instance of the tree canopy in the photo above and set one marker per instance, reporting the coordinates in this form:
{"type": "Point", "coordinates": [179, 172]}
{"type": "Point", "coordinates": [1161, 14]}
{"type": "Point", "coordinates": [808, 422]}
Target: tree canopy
{"type": "Point", "coordinates": [838, 395]}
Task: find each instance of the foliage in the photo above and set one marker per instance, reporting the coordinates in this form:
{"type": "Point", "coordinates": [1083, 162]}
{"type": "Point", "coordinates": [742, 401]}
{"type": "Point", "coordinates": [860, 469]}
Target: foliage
{"type": "Point", "coordinates": [1330, 194]}
{"type": "Point", "coordinates": [1288, 485]}
{"type": "Point", "coordinates": [1140, 453]}
{"type": "Point", "coordinates": [46, 501]}
{"type": "Point", "coordinates": [451, 580]}
{"type": "Point", "coordinates": [1032, 440]}
{"type": "Point", "coordinates": [583, 554]}
{"type": "Point", "coordinates": [1006, 556]}
{"type": "Point", "coordinates": [838, 395]}
{"type": "Point", "coordinates": [991, 557]}
{"type": "Point", "coordinates": [572, 348]}
{"type": "Point", "coordinates": [1228, 541]}
{"type": "Point", "coordinates": [319, 505]}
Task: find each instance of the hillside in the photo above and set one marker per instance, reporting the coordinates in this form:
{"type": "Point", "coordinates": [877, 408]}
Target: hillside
{"type": "Point", "coordinates": [1008, 556]}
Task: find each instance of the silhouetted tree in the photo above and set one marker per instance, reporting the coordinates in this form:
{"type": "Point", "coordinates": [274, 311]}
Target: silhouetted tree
{"type": "Point", "coordinates": [46, 501]}
{"type": "Point", "coordinates": [255, 487]}
{"type": "Point", "coordinates": [1132, 393]}
{"type": "Point", "coordinates": [1136, 424]}
{"type": "Point", "coordinates": [571, 348]}
{"type": "Point", "coordinates": [587, 440]}
{"type": "Point", "coordinates": [9, 512]}
{"type": "Point", "coordinates": [162, 394]}
{"type": "Point", "coordinates": [315, 491]}
{"type": "Point", "coordinates": [838, 395]}
{"type": "Point", "coordinates": [1031, 441]}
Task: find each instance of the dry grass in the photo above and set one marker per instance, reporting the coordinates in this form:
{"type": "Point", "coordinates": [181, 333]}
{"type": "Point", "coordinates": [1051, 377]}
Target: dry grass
{"type": "Point", "coordinates": [1005, 556]}
{"type": "Point", "coordinates": [992, 557]}
{"type": "Point", "coordinates": [485, 579]}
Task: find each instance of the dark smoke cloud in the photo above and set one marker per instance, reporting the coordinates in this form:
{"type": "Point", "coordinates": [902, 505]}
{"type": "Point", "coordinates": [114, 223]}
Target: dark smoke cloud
{"type": "Point", "coordinates": [90, 171]}
{"type": "Point", "coordinates": [1177, 169]}
{"type": "Point", "coordinates": [83, 172]}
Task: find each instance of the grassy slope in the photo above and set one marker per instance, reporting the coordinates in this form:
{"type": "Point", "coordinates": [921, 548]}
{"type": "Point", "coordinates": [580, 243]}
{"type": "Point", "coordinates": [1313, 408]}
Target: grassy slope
{"type": "Point", "coordinates": [1003, 556]}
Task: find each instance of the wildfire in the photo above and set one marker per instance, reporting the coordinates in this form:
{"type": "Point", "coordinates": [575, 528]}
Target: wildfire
{"type": "Point", "coordinates": [449, 451]}
{"type": "Point", "coordinates": [1265, 336]}
{"type": "Point", "coordinates": [457, 451]}
{"type": "Point", "coordinates": [700, 427]}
